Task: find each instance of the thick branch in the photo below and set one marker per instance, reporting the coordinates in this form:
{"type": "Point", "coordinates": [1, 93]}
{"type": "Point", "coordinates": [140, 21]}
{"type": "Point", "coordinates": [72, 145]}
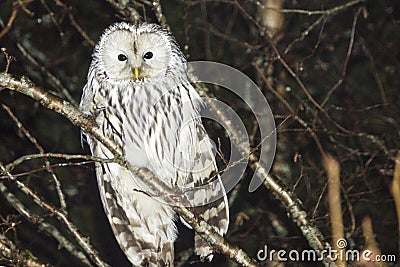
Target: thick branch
{"type": "Point", "coordinates": [70, 112]}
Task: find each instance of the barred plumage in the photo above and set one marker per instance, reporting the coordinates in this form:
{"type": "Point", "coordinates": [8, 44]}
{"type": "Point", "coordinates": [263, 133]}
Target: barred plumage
{"type": "Point", "coordinates": [139, 94]}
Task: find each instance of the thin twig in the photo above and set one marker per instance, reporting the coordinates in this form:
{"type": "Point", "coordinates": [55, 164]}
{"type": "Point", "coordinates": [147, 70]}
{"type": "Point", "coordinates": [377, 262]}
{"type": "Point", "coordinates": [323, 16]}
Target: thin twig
{"type": "Point", "coordinates": [126, 10]}
{"type": "Point", "coordinates": [9, 23]}
{"type": "Point", "coordinates": [52, 17]}
{"type": "Point", "coordinates": [9, 59]}
{"type": "Point", "coordinates": [331, 11]}
{"type": "Point", "coordinates": [73, 230]}
{"type": "Point", "coordinates": [160, 15]}
{"type": "Point", "coordinates": [57, 82]}
{"type": "Point", "coordinates": [9, 251]}
{"type": "Point", "coordinates": [346, 60]}
{"type": "Point", "coordinates": [74, 23]}
{"type": "Point", "coordinates": [379, 82]}
{"type": "Point", "coordinates": [12, 165]}
{"type": "Point", "coordinates": [305, 33]}
{"type": "Point", "coordinates": [42, 225]}
{"type": "Point", "coordinates": [22, 4]}
{"type": "Point", "coordinates": [33, 140]}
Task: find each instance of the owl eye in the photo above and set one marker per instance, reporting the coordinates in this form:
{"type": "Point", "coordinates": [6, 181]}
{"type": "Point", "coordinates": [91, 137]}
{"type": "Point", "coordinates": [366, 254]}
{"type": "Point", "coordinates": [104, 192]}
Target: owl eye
{"type": "Point", "coordinates": [148, 55]}
{"type": "Point", "coordinates": [122, 57]}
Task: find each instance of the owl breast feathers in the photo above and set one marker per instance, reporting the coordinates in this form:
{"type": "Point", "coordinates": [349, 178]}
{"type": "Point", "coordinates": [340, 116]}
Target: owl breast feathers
{"type": "Point", "coordinates": [138, 92]}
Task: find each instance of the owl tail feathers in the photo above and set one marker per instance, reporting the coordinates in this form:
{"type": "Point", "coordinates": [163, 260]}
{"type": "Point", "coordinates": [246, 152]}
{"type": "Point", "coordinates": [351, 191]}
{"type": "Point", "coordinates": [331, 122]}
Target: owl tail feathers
{"type": "Point", "coordinates": [166, 255]}
{"type": "Point", "coordinates": [216, 215]}
{"type": "Point", "coordinates": [163, 258]}
{"type": "Point", "coordinates": [202, 248]}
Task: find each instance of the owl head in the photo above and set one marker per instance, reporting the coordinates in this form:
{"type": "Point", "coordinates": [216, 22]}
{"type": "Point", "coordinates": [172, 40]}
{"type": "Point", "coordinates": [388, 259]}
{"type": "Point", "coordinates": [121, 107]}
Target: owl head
{"type": "Point", "coordinates": [136, 52]}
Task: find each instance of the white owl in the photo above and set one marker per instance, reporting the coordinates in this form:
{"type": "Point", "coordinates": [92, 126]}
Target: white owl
{"type": "Point", "coordinates": [138, 92]}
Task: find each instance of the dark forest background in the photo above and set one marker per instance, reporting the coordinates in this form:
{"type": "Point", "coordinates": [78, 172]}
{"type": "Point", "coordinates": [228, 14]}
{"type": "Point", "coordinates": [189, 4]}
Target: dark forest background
{"type": "Point", "coordinates": [333, 89]}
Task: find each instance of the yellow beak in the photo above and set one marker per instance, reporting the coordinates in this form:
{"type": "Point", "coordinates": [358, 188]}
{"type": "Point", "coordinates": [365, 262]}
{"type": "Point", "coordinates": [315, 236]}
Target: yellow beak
{"type": "Point", "coordinates": [136, 72]}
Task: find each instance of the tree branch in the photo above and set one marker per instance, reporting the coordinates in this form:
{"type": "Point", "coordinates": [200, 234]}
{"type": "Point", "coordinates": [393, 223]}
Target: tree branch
{"type": "Point", "coordinates": [42, 225]}
{"type": "Point", "coordinates": [93, 254]}
{"type": "Point", "coordinates": [33, 140]}
{"type": "Point", "coordinates": [9, 251]}
{"type": "Point", "coordinates": [70, 112]}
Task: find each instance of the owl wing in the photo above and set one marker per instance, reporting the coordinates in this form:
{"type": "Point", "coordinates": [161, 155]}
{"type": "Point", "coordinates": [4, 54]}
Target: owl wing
{"type": "Point", "coordinates": [216, 210]}
{"type": "Point", "coordinates": [204, 187]}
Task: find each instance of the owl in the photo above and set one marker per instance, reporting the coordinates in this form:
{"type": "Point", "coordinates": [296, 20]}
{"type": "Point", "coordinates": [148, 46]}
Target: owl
{"type": "Point", "coordinates": [139, 94]}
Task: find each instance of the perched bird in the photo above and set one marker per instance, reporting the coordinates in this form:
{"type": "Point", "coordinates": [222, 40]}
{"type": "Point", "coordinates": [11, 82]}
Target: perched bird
{"type": "Point", "coordinates": [139, 94]}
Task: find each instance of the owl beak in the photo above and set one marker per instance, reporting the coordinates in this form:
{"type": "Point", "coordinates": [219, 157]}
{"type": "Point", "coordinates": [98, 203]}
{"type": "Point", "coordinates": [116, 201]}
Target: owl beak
{"type": "Point", "coordinates": [136, 72]}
